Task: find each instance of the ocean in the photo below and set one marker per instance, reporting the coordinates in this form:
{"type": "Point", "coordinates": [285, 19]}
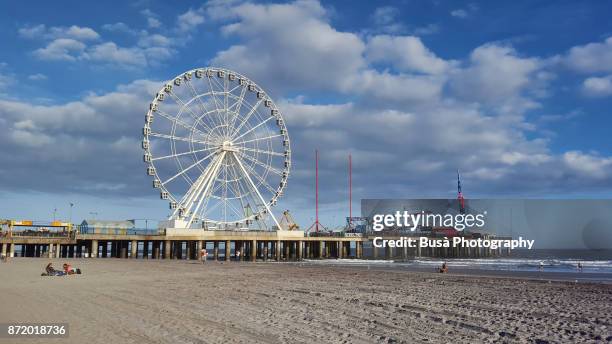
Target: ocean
{"type": "Point", "coordinates": [557, 264]}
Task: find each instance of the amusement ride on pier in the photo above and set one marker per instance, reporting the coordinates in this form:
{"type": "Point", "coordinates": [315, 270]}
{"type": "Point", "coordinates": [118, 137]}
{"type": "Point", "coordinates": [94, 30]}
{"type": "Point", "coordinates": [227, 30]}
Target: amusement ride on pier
{"type": "Point", "coordinates": [218, 149]}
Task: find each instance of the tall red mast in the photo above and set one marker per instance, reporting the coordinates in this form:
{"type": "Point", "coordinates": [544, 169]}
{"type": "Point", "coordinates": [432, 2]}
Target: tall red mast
{"type": "Point", "coordinates": [317, 190]}
{"type": "Point", "coordinates": [350, 163]}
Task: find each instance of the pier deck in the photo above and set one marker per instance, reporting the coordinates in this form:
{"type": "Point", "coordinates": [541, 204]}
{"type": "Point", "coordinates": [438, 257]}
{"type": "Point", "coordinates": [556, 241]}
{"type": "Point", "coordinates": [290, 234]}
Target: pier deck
{"type": "Point", "coordinates": [220, 245]}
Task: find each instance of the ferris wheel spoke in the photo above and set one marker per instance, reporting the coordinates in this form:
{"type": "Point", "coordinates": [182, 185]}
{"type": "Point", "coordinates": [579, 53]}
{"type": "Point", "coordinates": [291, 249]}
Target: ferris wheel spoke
{"type": "Point", "coordinates": [224, 190]}
{"type": "Point", "coordinates": [238, 104]}
{"type": "Point", "coordinates": [184, 153]}
{"type": "Point", "coordinates": [261, 179]}
{"type": "Point", "coordinates": [237, 186]}
{"type": "Point", "coordinates": [253, 128]}
{"type": "Point", "coordinates": [205, 208]}
{"type": "Point", "coordinates": [262, 151]}
{"type": "Point", "coordinates": [194, 116]}
{"type": "Point", "coordinates": [233, 209]}
{"type": "Point", "coordinates": [265, 204]}
{"type": "Point", "coordinates": [202, 106]}
{"type": "Point", "coordinates": [195, 189]}
{"type": "Point", "coordinates": [179, 122]}
{"type": "Point", "coordinates": [180, 138]}
{"type": "Point", "coordinates": [209, 184]}
{"type": "Point", "coordinates": [226, 105]}
{"type": "Point", "coordinates": [267, 167]}
{"type": "Point", "coordinates": [244, 193]}
{"type": "Point", "coordinates": [246, 118]}
{"type": "Point", "coordinates": [214, 97]}
{"type": "Point", "coordinates": [258, 139]}
{"type": "Point", "coordinates": [188, 168]}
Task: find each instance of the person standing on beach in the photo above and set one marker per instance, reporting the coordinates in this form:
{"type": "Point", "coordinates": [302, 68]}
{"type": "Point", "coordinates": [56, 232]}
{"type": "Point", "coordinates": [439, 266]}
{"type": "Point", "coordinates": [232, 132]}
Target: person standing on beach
{"type": "Point", "coordinates": [237, 256]}
{"type": "Point", "coordinates": [203, 255]}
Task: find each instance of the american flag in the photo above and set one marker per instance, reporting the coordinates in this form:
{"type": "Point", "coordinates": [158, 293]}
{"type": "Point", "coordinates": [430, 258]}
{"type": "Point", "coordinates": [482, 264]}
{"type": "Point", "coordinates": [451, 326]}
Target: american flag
{"type": "Point", "coordinates": [460, 195]}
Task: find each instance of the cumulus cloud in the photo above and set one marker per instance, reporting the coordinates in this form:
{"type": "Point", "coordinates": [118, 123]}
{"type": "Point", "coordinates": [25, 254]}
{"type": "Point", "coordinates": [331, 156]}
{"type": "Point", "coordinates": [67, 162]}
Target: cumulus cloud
{"type": "Point", "coordinates": [598, 87]}
{"type": "Point", "coordinates": [76, 43]}
{"type": "Point", "coordinates": [72, 141]}
{"type": "Point", "coordinates": [459, 13]}
{"type": "Point", "coordinates": [591, 57]}
{"type": "Point", "coordinates": [312, 54]}
{"type": "Point", "coordinates": [385, 20]}
{"type": "Point", "coordinates": [495, 73]}
{"type": "Point", "coordinates": [65, 49]}
{"type": "Point", "coordinates": [119, 27]}
{"type": "Point", "coordinates": [54, 32]}
{"type": "Point", "coordinates": [407, 53]}
{"type": "Point", "coordinates": [109, 52]}
{"type": "Point", "coordinates": [152, 18]}
{"type": "Point", "coordinates": [189, 20]}
{"type": "Point", "coordinates": [37, 76]}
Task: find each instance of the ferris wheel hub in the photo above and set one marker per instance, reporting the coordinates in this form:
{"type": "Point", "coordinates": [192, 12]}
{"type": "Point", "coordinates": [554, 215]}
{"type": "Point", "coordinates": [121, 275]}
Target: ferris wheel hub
{"type": "Point", "coordinates": [228, 146]}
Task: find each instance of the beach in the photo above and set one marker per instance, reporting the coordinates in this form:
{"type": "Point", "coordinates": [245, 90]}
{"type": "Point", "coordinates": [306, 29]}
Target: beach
{"type": "Point", "coordinates": [155, 301]}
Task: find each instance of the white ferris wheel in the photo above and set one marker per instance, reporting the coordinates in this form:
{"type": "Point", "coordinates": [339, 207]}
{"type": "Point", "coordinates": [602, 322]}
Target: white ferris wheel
{"type": "Point", "coordinates": [218, 150]}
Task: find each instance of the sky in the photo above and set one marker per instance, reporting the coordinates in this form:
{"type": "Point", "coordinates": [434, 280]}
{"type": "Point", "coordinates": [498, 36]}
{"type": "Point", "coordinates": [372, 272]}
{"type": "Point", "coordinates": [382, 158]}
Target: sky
{"type": "Point", "coordinates": [516, 95]}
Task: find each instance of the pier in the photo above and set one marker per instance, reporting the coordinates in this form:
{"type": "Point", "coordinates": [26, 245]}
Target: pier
{"type": "Point", "coordinates": [220, 245]}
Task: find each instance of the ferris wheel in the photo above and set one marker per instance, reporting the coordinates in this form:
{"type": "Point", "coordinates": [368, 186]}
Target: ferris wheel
{"type": "Point", "coordinates": [217, 148]}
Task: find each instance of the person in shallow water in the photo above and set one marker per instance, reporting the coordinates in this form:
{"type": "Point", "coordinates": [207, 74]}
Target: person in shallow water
{"type": "Point", "coordinates": [443, 269]}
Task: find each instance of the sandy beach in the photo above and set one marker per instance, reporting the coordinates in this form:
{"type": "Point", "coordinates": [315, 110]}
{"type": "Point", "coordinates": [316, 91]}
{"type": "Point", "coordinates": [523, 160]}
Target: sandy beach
{"type": "Point", "coordinates": [139, 301]}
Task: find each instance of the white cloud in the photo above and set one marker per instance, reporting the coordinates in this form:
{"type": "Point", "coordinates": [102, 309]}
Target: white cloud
{"type": "Point", "coordinates": [153, 22]}
{"type": "Point", "coordinates": [28, 139]}
{"type": "Point", "coordinates": [591, 58]}
{"type": "Point", "coordinates": [76, 136]}
{"type": "Point", "coordinates": [459, 13]}
{"type": "Point", "coordinates": [66, 49]}
{"type": "Point", "coordinates": [385, 20]}
{"type": "Point", "coordinates": [588, 165]}
{"type": "Point", "coordinates": [429, 29]}
{"type": "Point", "coordinates": [189, 20]}
{"type": "Point", "coordinates": [37, 76]}
{"type": "Point", "coordinates": [311, 54]}
{"type": "Point", "coordinates": [407, 53]}
{"type": "Point", "coordinates": [152, 18]}
{"type": "Point", "coordinates": [119, 27]}
{"type": "Point", "coordinates": [110, 53]}
{"type": "Point", "coordinates": [495, 73]}
{"type": "Point", "coordinates": [598, 87]}
{"type": "Point", "coordinates": [73, 32]}
{"type": "Point", "coordinates": [31, 32]}
{"type": "Point", "coordinates": [155, 40]}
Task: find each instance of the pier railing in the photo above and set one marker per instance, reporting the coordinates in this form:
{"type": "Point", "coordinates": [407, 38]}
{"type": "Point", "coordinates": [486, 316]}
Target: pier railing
{"type": "Point", "coordinates": [119, 231]}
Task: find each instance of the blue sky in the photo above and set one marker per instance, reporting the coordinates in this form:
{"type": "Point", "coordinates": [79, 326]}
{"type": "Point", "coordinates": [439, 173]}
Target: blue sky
{"type": "Point", "coordinates": [515, 94]}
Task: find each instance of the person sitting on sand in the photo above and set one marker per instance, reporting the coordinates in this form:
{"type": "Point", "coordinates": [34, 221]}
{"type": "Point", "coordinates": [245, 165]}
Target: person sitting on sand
{"type": "Point", "coordinates": [50, 271]}
{"type": "Point", "coordinates": [69, 270]}
{"type": "Point", "coordinates": [444, 268]}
